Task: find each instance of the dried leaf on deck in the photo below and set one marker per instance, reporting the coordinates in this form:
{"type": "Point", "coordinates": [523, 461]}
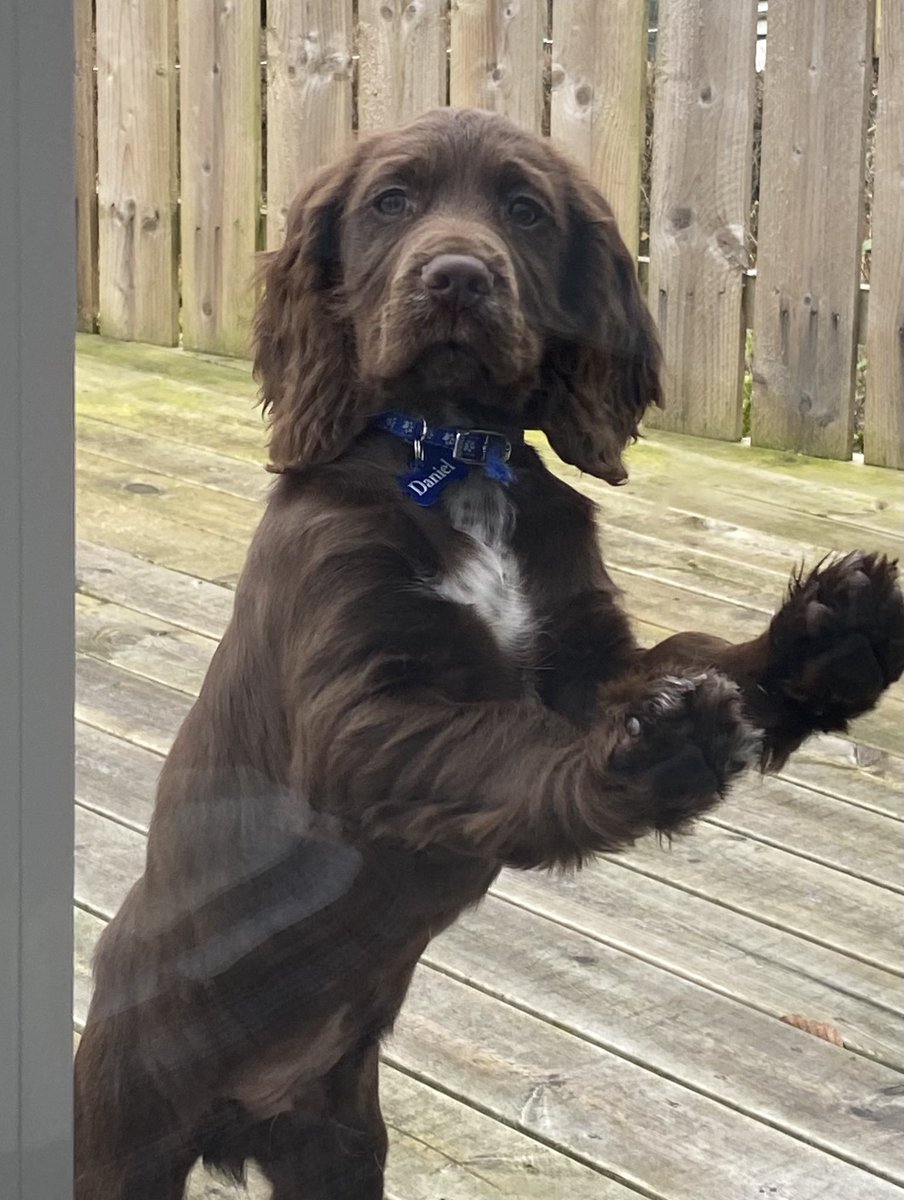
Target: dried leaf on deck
{"type": "Point", "coordinates": [820, 1029]}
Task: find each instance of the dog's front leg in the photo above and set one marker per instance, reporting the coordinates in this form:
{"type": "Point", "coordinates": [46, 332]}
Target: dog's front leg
{"type": "Point", "coordinates": [513, 782]}
{"type": "Point", "coordinates": [833, 647]}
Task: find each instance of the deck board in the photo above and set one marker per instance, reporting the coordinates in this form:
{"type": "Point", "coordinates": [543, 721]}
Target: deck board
{"type": "Point", "coordinates": [610, 1034]}
{"type": "Point", "coordinates": [102, 760]}
{"type": "Point", "coordinates": [159, 518]}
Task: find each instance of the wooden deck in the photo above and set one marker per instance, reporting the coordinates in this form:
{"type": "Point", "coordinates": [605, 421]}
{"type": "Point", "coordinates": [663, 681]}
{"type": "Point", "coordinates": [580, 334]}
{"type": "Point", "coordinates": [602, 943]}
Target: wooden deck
{"type": "Point", "coordinates": [607, 1036]}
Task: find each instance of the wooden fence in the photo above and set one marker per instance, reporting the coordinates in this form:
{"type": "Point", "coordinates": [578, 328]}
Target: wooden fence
{"type": "Point", "coordinates": [199, 119]}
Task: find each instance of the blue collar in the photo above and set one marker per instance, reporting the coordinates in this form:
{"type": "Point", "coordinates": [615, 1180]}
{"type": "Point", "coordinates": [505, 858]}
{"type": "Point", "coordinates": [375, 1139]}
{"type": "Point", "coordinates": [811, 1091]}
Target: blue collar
{"type": "Point", "coordinates": [444, 453]}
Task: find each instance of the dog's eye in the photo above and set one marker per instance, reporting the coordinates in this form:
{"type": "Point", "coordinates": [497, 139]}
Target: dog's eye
{"type": "Point", "coordinates": [391, 203]}
{"type": "Point", "coordinates": [523, 211]}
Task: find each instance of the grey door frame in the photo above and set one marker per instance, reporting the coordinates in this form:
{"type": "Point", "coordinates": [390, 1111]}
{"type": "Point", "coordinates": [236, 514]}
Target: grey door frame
{"type": "Point", "coordinates": [37, 307]}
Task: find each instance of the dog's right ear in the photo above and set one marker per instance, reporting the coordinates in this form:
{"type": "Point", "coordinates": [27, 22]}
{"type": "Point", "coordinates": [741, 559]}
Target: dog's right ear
{"type": "Point", "coordinates": [602, 372]}
{"type": "Point", "coordinates": [304, 351]}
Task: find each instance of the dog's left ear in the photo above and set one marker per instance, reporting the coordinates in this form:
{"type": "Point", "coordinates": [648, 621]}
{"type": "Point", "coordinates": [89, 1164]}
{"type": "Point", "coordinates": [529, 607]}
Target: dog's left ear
{"type": "Point", "coordinates": [304, 352]}
{"type": "Point", "coordinates": [601, 371]}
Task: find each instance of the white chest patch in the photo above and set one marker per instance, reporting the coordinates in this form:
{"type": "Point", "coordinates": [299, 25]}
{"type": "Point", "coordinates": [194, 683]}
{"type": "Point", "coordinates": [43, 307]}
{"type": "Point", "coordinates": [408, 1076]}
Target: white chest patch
{"type": "Point", "coordinates": [489, 578]}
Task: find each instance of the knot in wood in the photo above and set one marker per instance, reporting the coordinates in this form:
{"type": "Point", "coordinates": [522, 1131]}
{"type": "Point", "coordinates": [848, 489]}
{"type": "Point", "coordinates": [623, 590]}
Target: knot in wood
{"type": "Point", "coordinates": [680, 217]}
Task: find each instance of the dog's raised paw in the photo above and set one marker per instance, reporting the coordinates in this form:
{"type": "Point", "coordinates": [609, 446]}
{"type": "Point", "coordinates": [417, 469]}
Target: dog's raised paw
{"type": "Point", "coordinates": [838, 640]}
{"type": "Point", "coordinates": [684, 740]}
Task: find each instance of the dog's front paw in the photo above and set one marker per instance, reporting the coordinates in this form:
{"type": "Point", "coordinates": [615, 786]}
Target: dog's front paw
{"type": "Point", "coordinates": [838, 640]}
{"type": "Point", "coordinates": [683, 740]}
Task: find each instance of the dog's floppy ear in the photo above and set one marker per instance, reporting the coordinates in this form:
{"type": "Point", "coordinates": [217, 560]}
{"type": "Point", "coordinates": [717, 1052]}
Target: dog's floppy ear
{"type": "Point", "coordinates": [602, 371]}
{"type": "Point", "coordinates": [304, 353]}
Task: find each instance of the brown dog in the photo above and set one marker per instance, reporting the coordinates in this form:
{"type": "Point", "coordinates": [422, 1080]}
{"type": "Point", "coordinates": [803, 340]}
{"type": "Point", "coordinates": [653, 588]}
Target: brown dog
{"type": "Point", "coordinates": [428, 673]}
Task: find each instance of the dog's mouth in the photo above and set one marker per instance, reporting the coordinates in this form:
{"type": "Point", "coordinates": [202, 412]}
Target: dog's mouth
{"type": "Point", "coordinates": [449, 349]}
{"type": "Point", "coordinates": [453, 363]}
{"type": "Point", "coordinates": [449, 383]}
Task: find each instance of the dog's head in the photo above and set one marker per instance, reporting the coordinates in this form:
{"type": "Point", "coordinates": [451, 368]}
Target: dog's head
{"type": "Point", "coordinates": [457, 254]}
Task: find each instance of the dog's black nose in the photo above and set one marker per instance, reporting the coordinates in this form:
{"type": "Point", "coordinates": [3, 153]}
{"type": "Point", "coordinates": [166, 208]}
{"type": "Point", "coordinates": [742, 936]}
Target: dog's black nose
{"type": "Point", "coordinates": [457, 280]}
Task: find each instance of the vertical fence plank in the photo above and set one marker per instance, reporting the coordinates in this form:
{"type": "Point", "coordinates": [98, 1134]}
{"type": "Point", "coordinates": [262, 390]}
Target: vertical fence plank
{"type": "Point", "coordinates": [699, 210]}
{"type": "Point", "coordinates": [309, 97]}
{"type": "Point", "coordinates": [219, 96]}
{"type": "Point", "coordinates": [497, 58]}
{"type": "Point", "coordinates": [598, 82]}
{"type": "Point", "coordinates": [85, 168]}
{"type": "Point", "coordinates": [883, 434]}
{"type": "Point", "coordinates": [136, 157]}
{"type": "Point", "coordinates": [401, 60]}
{"type": "Point", "coordinates": [818, 73]}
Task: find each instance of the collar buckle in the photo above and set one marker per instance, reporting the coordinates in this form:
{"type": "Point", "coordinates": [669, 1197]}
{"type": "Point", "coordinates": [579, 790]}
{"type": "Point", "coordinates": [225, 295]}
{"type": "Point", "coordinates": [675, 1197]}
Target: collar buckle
{"type": "Point", "coordinates": [472, 446]}
{"type": "Point", "coordinates": [419, 441]}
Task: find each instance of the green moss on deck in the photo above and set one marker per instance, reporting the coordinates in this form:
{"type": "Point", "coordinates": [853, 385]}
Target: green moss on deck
{"type": "Point", "coordinates": [656, 450]}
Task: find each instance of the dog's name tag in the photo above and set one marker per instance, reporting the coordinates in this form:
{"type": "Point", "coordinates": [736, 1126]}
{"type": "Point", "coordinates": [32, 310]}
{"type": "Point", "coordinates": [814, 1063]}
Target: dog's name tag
{"type": "Point", "coordinates": [425, 482]}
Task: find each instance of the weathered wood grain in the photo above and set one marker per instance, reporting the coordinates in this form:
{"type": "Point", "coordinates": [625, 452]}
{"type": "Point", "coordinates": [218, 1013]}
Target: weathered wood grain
{"type": "Point", "coordinates": [135, 508]}
{"type": "Point", "coordinates": [883, 429]}
{"type": "Point", "coordinates": [825, 486]}
{"type": "Point", "coordinates": [112, 493]}
{"type": "Point", "coordinates": [115, 495]}
{"type": "Point", "coordinates": [716, 1046]}
{"type": "Point", "coordinates": [215, 372]}
{"type": "Point", "coordinates": [772, 908]}
{"type": "Point", "coordinates": [109, 858]}
{"type": "Point", "coordinates": [777, 812]}
{"type": "Point", "coordinates": [598, 80]}
{"type": "Point", "coordinates": [220, 149]}
{"type": "Point", "coordinates": [774, 885]}
{"type": "Point", "coordinates": [137, 168]}
{"type": "Point", "coordinates": [183, 600]}
{"type": "Point", "coordinates": [768, 971]}
{"type": "Point", "coordinates": [810, 224]}
{"type": "Point", "coordinates": [438, 1146]}
{"type": "Point", "coordinates": [850, 494]}
{"type": "Point", "coordinates": [497, 58]}
{"type": "Point", "coordinates": [761, 521]}
{"type": "Point", "coordinates": [115, 778]}
{"type": "Point", "coordinates": [193, 464]}
{"type": "Point", "coordinates": [842, 506]}
{"type": "Point", "coordinates": [169, 542]}
{"type": "Point", "coordinates": [402, 60]}
{"type": "Point", "coordinates": [309, 97]}
{"type": "Point", "coordinates": [142, 645]}
{"type": "Point", "coordinates": [835, 765]}
{"type": "Point", "coordinates": [701, 176]}
{"type": "Point", "coordinates": [763, 966]}
{"type": "Point", "coordinates": [134, 709]}
{"type": "Point", "coordinates": [218, 512]}
{"type": "Point", "coordinates": [785, 468]}
{"type": "Point", "coordinates": [570, 1092]}
{"type": "Point", "coordinates": [85, 167]}
{"type": "Point", "coordinates": [813, 901]}
{"type": "Point", "coordinates": [482, 1032]}
{"type": "Point", "coordinates": [154, 404]}
{"type": "Point", "coordinates": [865, 845]}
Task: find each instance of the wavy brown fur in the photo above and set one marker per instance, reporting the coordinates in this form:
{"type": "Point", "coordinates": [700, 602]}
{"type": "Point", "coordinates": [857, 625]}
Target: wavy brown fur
{"type": "Point", "coordinates": [364, 757]}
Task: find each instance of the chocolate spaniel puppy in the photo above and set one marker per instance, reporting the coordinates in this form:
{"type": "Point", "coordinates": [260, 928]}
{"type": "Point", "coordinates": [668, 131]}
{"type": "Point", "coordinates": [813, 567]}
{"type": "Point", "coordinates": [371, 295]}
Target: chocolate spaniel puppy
{"type": "Point", "coordinates": [428, 673]}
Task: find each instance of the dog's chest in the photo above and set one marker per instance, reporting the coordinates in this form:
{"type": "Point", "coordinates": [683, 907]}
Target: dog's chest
{"type": "Point", "coordinates": [488, 577]}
